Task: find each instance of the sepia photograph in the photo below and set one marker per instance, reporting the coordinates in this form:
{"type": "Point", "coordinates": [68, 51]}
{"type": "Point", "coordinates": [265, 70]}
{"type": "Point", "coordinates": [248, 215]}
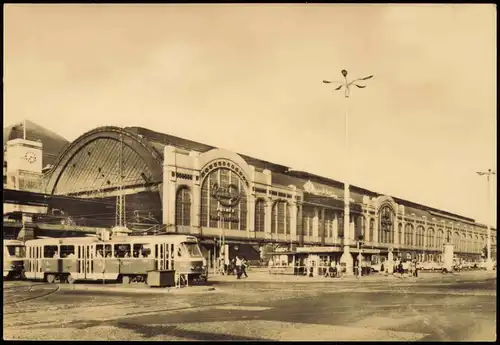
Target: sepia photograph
{"type": "Point", "coordinates": [249, 172]}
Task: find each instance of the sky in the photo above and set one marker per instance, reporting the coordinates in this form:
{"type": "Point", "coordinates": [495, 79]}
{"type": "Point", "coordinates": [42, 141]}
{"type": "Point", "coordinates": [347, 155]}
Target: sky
{"type": "Point", "coordinates": [248, 78]}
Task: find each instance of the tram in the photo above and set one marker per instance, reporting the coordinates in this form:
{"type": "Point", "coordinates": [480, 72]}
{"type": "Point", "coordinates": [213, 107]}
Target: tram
{"type": "Point", "coordinates": [13, 259]}
{"type": "Point", "coordinates": [121, 258]}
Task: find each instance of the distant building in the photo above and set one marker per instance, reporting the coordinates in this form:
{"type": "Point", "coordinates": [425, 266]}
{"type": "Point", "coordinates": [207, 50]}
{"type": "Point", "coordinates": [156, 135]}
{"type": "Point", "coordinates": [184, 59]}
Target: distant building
{"type": "Point", "coordinates": [176, 185]}
{"type": "Point", "coordinates": [190, 187]}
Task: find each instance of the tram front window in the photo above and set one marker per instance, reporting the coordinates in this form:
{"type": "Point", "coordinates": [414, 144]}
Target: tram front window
{"type": "Point", "coordinates": [192, 249]}
{"type": "Point", "coordinates": [16, 251]}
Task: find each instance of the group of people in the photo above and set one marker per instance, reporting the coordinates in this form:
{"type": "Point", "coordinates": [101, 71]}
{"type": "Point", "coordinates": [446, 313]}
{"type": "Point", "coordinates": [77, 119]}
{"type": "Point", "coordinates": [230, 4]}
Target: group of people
{"type": "Point", "coordinates": [411, 266]}
{"type": "Point", "coordinates": [237, 266]}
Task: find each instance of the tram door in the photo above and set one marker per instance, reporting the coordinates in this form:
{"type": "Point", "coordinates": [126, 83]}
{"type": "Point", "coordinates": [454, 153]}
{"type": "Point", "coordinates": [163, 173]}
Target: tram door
{"type": "Point", "coordinates": [36, 256]}
{"type": "Point", "coordinates": [86, 254]}
{"type": "Point", "coordinates": [164, 254]}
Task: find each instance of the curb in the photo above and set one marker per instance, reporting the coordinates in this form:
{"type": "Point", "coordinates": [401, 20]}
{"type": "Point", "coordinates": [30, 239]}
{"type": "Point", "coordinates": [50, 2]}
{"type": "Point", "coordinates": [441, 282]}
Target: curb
{"type": "Point", "coordinates": [143, 290]}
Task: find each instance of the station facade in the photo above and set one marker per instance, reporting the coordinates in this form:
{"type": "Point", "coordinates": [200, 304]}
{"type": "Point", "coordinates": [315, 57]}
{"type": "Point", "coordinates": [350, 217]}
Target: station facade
{"type": "Point", "coordinates": [180, 186]}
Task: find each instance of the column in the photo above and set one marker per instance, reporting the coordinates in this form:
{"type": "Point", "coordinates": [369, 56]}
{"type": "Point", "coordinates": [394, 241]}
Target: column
{"type": "Point", "coordinates": [352, 227]}
{"type": "Point", "coordinates": [366, 219]}
{"type": "Point", "coordinates": [251, 215]}
{"type": "Point", "coordinates": [414, 235]}
{"type": "Point", "coordinates": [316, 224]}
{"type": "Point", "coordinates": [267, 220]}
{"type": "Point", "coordinates": [335, 228]}
{"type": "Point", "coordinates": [293, 221]}
{"type": "Point", "coordinates": [299, 226]}
{"type": "Point", "coordinates": [396, 230]}
{"type": "Point", "coordinates": [322, 226]}
{"type": "Point", "coordinates": [375, 229]}
{"type": "Point", "coordinates": [196, 204]}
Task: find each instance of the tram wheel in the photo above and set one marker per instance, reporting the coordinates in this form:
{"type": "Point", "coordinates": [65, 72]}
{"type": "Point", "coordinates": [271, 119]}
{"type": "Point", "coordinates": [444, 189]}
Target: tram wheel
{"type": "Point", "coordinates": [70, 279]}
{"type": "Point", "coordinates": [51, 278]}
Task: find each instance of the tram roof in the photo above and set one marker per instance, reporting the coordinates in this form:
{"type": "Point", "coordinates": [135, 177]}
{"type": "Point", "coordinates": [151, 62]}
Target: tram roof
{"type": "Point", "coordinates": [114, 239]}
{"type": "Point", "coordinates": [12, 243]}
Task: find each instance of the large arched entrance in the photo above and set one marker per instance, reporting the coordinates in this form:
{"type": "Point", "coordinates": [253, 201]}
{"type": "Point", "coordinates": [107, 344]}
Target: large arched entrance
{"type": "Point", "coordinates": [99, 166]}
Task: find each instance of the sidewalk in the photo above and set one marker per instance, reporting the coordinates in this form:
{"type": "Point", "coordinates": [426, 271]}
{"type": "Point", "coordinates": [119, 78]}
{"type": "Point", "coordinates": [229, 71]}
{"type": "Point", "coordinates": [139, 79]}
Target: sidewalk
{"type": "Point", "coordinates": [265, 276]}
{"type": "Point", "coordinates": [261, 275]}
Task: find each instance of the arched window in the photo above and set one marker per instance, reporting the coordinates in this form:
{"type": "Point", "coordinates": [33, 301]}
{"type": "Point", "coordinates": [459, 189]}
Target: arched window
{"type": "Point", "coordinates": [260, 215]}
{"type": "Point", "coordinates": [183, 207]}
{"type": "Point", "coordinates": [440, 239]}
{"type": "Point", "coordinates": [449, 237]}
{"type": "Point", "coordinates": [420, 236]}
{"type": "Point", "coordinates": [430, 238]}
{"type": "Point", "coordinates": [280, 218]}
{"type": "Point", "coordinates": [409, 234]}
{"type": "Point", "coordinates": [372, 229]}
{"type": "Point", "coordinates": [400, 233]}
{"type": "Point", "coordinates": [223, 198]}
{"type": "Point", "coordinates": [456, 242]}
{"type": "Point", "coordinates": [307, 220]}
{"type": "Point", "coordinates": [386, 224]}
{"type": "Point", "coordinates": [329, 219]}
{"type": "Point", "coordinates": [340, 225]}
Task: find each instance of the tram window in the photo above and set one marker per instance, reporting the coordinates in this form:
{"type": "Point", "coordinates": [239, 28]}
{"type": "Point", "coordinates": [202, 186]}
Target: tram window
{"type": "Point", "coordinates": [161, 251]}
{"type": "Point", "coordinates": [140, 250]}
{"type": "Point", "coordinates": [156, 251]}
{"type": "Point", "coordinates": [16, 251]}
{"type": "Point", "coordinates": [122, 250]}
{"type": "Point", "coordinates": [179, 251]}
{"type": "Point", "coordinates": [67, 251]}
{"type": "Point", "coordinates": [104, 250]}
{"type": "Point", "coordinates": [192, 249]}
{"type": "Point", "coordinates": [50, 251]}
{"type": "Point", "coordinates": [172, 251]}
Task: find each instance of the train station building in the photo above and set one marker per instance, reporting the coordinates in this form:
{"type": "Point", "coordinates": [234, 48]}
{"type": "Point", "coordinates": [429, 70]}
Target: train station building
{"type": "Point", "coordinates": [175, 185]}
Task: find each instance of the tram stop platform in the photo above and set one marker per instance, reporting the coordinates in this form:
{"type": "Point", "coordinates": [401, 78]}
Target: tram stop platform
{"type": "Point", "coordinates": [138, 288]}
{"type": "Point", "coordinates": [263, 275]}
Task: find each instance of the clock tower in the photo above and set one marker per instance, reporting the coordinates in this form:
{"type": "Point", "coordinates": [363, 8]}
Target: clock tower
{"type": "Point", "coordinates": [24, 165]}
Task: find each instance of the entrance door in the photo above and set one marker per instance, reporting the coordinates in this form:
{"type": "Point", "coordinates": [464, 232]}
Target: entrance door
{"type": "Point", "coordinates": [37, 262]}
{"type": "Point", "coordinates": [89, 260]}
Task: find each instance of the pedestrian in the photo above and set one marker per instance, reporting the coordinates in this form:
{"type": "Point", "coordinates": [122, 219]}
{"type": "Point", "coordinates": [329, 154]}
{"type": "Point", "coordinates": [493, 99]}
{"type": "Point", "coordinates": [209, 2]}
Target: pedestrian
{"type": "Point", "coordinates": [339, 269]}
{"type": "Point", "coordinates": [244, 265]}
{"type": "Point", "coordinates": [332, 269]}
{"type": "Point", "coordinates": [238, 267]}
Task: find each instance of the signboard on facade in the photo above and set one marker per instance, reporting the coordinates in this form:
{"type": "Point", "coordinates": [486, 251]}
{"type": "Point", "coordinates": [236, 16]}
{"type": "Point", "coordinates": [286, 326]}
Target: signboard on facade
{"type": "Point", "coordinates": [228, 195]}
{"type": "Point", "coordinates": [225, 199]}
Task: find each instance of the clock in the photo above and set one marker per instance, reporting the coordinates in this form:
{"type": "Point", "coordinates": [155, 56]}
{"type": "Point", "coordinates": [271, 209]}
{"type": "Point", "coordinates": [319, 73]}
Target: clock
{"type": "Point", "coordinates": [30, 157]}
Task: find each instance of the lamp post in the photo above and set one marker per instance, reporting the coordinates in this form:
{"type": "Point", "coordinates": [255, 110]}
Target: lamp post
{"type": "Point", "coordinates": [346, 84]}
{"type": "Point", "coordinates": [489, 264]}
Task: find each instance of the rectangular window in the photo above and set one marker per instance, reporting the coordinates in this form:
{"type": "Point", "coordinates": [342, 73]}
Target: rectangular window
{"type": "Point", "coordinates": [67, 251]}
{"type": "Point", "coordinates": [122, 250]}
{"type": "Point", "coordinates": [50, 251]}
{"type": "Point", "coordinates": [104, 251]}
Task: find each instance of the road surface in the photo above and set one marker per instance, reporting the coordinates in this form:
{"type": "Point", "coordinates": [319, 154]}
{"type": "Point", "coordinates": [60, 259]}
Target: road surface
{"type": "Point", "coordinates": [450, 308]}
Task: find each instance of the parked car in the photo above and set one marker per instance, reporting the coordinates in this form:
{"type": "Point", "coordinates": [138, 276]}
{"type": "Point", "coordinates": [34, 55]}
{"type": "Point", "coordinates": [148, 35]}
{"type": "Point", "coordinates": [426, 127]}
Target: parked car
{"type": "Point", "coordinates": [376, 267]}
{"type": "Point", "coordinates": [426, 265]}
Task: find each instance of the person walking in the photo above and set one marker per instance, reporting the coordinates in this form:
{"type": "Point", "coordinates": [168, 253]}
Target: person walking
{"type": "Point", "coordinates": [238, 267]}
{"type": "Point", "coordinates": [244, 265]}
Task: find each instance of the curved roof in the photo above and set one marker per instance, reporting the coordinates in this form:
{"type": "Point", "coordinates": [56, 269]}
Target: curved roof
{"type": "Point", "coordinates": [53, 143]}
{"type": "Point", "coordinates": [160, 140]}
{"type": "Point", "coordinates": [103, 158]}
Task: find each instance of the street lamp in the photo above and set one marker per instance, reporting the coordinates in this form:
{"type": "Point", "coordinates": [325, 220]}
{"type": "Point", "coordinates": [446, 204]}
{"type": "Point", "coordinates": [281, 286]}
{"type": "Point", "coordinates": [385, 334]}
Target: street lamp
{"type": "Point", "coordinates": [346, 84]}
{"type": "Point", "coordinates": [489, 264]}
